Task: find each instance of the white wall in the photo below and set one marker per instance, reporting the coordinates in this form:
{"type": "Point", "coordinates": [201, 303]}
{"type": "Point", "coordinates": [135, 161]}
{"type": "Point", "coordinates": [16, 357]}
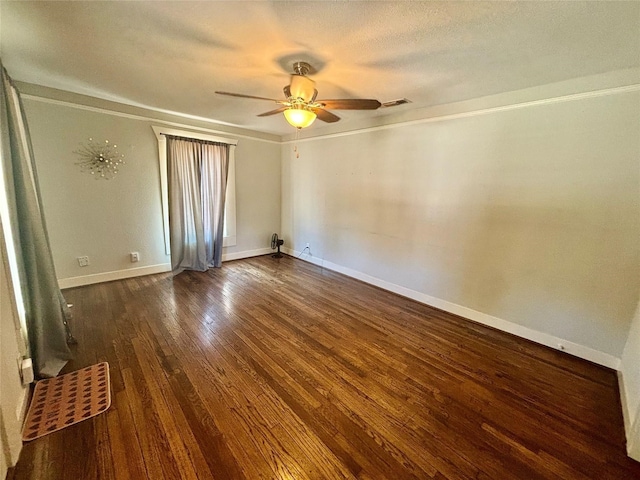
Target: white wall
{"type": "Point", "coordinates": [105, 220]}
{"type": "Point", "coordinates": [12, 394]}
{"type": "Point", "coordinates": [527, 217]}
{"type": "Point", "coordinates": [630, 386]}
{"type": "Point", "coordinates": [257, 195]}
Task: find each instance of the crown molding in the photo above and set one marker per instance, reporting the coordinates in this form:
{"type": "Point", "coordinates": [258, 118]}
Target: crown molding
{"type": "Point", "coordinates": [473, 113]}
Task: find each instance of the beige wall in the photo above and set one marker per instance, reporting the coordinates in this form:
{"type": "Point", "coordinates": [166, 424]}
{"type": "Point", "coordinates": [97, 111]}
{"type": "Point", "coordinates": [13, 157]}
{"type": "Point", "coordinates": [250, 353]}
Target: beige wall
{"type": "Point", "coordinates": [106, 220]}
{"type": "Point", "coordinates": [530, 215]}
{"type": "Point", "coordinates": [257, 194]}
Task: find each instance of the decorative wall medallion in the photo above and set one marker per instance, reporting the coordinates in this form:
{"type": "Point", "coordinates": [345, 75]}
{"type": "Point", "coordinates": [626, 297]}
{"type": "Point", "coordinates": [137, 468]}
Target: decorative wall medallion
{"type": "Point", "coordinates": [100, 159]}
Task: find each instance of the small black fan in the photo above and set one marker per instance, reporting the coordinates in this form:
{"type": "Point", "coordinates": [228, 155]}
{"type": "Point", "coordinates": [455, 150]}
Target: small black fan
{"type": "Point", "coordinates": [275, 243]}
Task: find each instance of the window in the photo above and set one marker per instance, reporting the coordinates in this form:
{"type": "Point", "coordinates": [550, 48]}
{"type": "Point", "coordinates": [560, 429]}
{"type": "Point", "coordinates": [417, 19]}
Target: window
{"type": "Point", "coordinates": [230, 198]}
{"type": "Point", "coordinates": [6, 234]}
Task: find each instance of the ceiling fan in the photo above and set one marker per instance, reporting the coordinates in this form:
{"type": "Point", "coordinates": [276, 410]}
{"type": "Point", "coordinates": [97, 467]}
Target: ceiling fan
{"type": "Point", "coordinates": [300, 106]}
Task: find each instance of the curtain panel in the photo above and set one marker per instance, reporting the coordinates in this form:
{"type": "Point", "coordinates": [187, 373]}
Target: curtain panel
{"type": "Point", "coordinates": [45, 308]}
{"type": "Point", "coordinates": [197, 178]}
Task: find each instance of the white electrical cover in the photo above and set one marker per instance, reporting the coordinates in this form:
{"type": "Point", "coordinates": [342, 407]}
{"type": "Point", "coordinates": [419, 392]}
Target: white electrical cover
{"type": "Point", "coordinates": [26, 370]}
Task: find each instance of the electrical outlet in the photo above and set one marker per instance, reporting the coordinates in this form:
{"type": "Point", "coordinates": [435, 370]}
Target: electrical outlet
{"type": "Point", "coordinates": [135, 257]}
{"type": "Point", "coordinates": [83, 261]}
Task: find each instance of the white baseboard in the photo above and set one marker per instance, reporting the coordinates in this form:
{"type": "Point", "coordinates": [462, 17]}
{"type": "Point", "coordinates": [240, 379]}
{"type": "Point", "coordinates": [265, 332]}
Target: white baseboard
{"type": "Point", "coordinates": [149, 270]}
{"type": "Point", "coordinates": [542, 338]}
{"type": "Point", "coordinates": [626, 414]}
{"type": "Point", "coordinates": [23, 403]}
{"type": "Point", "coordinates": [115, 275]}
{"type": "Point", "coordinates": [21, 415]}
{"type": "Point", "coordinates": [304, 256]}
{"type": "Point", "coordinates": [631, 421]}
{"type": "Point", "coordinates": [246, 254]}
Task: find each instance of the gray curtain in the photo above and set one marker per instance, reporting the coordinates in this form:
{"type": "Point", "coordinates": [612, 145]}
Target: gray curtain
{"type": "Point", "coordinates": [45, 308]}
{"type": "Point", "coordinates": [197, 178]}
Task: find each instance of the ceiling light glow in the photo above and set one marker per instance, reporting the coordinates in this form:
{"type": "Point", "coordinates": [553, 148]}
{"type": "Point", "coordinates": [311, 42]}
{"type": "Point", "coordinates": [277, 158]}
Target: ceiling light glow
{"type": "Point", "coordinates": [298, 116]}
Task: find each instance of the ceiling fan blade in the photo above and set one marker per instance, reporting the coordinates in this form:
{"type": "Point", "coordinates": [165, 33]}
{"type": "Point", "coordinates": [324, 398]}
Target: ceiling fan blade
{"type": "Point", "coordinates": [324, 115]}
{"type": "Point", "coordinates": [241, 95]}
{"type": "Point", "coordinates": [273, 112]}
{"type": "Point", "coordinates": [302, 87]}
{"type": "Point", "coordinates": [351, 104]}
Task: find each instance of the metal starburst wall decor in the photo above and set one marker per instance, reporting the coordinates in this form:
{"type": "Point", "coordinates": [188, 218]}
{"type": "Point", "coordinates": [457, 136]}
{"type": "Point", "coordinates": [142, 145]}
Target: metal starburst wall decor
{"type": "Point", "coordinates": [100, 159]}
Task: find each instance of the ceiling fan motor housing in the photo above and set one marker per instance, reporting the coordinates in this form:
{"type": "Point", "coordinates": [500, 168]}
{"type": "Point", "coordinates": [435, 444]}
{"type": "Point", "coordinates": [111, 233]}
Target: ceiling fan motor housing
{"type": "Point", "coordinates": [302, 68]}
{"type": "Point", "coordinates": [302, 87]}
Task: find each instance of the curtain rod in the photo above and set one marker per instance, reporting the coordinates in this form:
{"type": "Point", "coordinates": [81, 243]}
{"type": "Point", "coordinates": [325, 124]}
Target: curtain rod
{"type": "Point", "coordinates": [232, 143]}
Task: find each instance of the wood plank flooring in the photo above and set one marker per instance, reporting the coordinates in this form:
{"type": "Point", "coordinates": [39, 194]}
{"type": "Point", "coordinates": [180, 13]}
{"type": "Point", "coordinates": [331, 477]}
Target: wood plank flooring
{"type": "Point", "coordinates": [278, 369]}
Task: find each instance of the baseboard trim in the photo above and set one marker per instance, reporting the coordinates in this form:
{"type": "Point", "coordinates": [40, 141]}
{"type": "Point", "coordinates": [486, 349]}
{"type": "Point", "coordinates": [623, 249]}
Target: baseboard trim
{"type": "Point", "coordinates": [246, 254]}
{"type": "Point", "coordinates": [23, 403]}
{"type": "Point", "coordinates": [114, 275]}
{"type": "Point", "coordinates": [626, 414]}
{"type": "Point", "coordinates": [21, 415]}
{"type": "Point", "coordinates": [587, 353]}
{"type": "Point", "coordinates": [631, 421]}
{"type": "Point", "coordinates": [72, 282]}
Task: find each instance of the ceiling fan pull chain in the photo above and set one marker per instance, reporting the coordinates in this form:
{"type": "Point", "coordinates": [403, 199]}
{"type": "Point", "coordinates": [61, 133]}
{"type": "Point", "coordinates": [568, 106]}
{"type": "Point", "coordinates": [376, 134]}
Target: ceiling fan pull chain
{"type": "Point", "coordinates": [295, 145]}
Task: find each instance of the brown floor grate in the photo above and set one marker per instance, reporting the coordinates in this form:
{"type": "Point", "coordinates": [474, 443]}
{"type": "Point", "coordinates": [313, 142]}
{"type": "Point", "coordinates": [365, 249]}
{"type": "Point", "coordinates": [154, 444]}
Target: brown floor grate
{"type": "Point", "coordinates": [68, 399]}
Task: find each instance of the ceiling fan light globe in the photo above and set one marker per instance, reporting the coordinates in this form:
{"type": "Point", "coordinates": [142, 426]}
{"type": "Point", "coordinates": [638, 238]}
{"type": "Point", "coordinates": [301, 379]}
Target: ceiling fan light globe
{"type": "Point", "coordinates": [299, 117]}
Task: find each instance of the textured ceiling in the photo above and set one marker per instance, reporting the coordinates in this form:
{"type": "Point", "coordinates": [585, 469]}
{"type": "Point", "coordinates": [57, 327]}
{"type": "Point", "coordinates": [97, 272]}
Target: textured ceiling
{"type": "Point", "coordinates": [173, 55]}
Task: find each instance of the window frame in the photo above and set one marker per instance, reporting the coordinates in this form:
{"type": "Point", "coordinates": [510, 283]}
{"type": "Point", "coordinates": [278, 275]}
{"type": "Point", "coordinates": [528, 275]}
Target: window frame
{"type": "Point", "coordinates": [229, 239]}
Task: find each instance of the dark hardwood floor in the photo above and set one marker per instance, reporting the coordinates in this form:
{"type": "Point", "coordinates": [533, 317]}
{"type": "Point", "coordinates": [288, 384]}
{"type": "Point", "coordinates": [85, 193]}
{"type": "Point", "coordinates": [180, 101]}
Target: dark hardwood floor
{"type": "Point", "coordinates": [278, 369]}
